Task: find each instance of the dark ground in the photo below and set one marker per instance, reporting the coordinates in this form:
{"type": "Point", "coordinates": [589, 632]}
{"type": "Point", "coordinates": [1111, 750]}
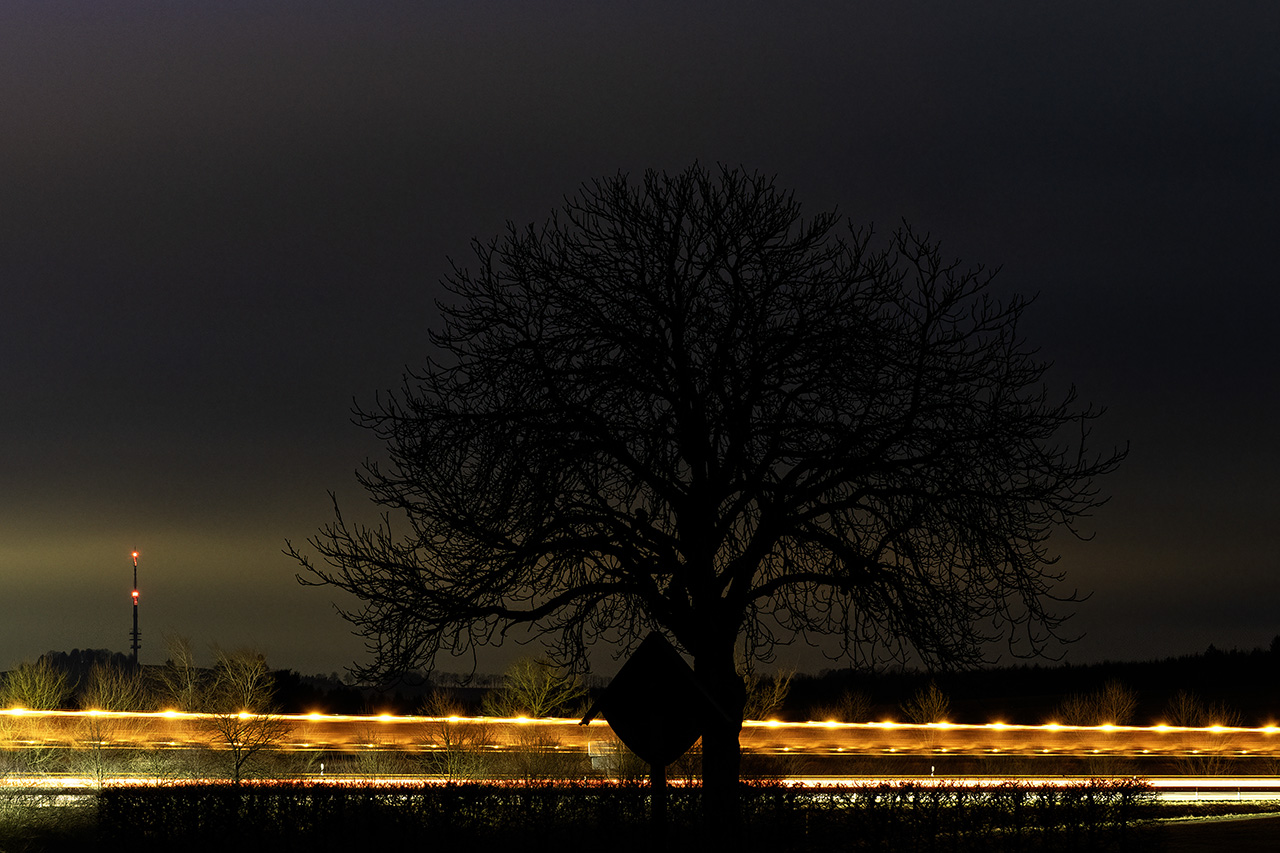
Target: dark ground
{"type": "Point", "coordinates": [1252, 834]}
{"type": "Point", "coordinates": [1231, 834]}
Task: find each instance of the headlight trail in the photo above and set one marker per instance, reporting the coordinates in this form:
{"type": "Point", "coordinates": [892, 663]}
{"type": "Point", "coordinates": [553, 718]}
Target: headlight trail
{"type": "Point", "coordinates": [20, 728]}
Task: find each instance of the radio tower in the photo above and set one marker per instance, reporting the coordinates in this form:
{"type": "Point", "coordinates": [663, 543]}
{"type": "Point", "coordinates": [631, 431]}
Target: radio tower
{"type": "Point", "coordinates": [135, 637]}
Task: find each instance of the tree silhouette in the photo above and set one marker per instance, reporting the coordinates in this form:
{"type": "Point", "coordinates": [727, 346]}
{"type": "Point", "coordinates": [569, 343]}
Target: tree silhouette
{"type": "Point", "coordinates": [928, 705]}
{"type": "Point", "coordinates": [239, 705]}
{"type": "Point", "coordinates": [38, 686]}
{"type": "Point", "coordinates": [535, 688]}
{"type": "Point", "coordinates": [235, 698]}
{"type": "Point", "coordinates": [181, 683]}
{"type": "Point", "coordinates": [110, 687]}
{"type": "Point", "coordinates": [681, 405]}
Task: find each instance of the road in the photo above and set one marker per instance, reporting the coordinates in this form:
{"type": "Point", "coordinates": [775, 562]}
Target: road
{"type": "Point", "coordinates": [786, 749]}
{"type": "Point", "coordinates": [815, 738]}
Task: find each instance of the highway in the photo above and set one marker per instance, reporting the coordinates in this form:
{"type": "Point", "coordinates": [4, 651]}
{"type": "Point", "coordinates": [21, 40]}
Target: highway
{"type": "Point", "coordinates": [1218, 763]}
{"type": "Point", "coordinates": [336, 733]}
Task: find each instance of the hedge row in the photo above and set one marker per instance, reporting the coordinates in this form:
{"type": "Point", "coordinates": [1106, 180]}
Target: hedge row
{"type": "Point", "coordinates": [304, 817]}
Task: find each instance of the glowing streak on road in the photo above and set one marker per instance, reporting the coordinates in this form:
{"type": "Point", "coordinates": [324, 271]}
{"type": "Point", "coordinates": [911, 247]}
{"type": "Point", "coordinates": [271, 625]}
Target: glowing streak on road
{"type": "Point", "coordinates": [20, 728]}
{"type": "Point", "coordinates": [1233, 789]}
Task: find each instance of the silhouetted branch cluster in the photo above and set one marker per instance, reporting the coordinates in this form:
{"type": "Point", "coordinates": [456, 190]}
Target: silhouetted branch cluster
{"type": "Point", "coordinates": [683, 404]}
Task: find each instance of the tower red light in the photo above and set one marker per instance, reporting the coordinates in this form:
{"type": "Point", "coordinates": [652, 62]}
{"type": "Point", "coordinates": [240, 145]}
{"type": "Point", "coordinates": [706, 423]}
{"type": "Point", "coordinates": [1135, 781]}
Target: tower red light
{"type": "Point", "coordinates": [135, 638]}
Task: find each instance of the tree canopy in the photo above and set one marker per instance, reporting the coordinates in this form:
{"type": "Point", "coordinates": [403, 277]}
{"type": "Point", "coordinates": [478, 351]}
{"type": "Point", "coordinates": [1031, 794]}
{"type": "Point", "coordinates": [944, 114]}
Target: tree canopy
{"type": "Point", "coordinates": [681, 404]}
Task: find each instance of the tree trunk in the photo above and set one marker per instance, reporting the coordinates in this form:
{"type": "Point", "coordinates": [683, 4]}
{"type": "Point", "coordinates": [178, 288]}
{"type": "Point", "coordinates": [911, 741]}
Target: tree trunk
{"type": "Point", "coordinates": [721, 753]}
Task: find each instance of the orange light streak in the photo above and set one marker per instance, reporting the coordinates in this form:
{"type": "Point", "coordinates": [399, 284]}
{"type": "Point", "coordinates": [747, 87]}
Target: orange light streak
{"type": "Point", "coordinates": [811, 738]}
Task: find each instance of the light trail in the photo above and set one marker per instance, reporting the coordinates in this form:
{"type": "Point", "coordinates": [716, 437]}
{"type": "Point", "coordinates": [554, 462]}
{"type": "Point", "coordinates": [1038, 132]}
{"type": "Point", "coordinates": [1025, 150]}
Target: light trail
{"type": "Point", "coordinates": [58, 789]}
{"type": "Point", "coordinates": [169, 729]}
{"type": "Point", "coordinates": [1005, 739]}
{"type": "Point", "coordinates": [1172, 788]}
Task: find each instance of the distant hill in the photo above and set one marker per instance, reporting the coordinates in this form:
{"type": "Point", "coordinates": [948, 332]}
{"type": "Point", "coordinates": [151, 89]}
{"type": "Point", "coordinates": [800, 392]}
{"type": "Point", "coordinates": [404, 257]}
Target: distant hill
{"type": "Point", "coordinates": [77, 662]}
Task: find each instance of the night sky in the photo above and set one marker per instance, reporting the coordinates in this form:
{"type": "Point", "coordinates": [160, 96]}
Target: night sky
{"type": "Point", "coordinates": [221, 223]}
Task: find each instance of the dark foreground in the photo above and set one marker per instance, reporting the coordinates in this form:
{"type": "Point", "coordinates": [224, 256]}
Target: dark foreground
{"type": "Point", "coordinates": [1097, 815]}
{"type": "Point", "coordinates": [1236, 834]}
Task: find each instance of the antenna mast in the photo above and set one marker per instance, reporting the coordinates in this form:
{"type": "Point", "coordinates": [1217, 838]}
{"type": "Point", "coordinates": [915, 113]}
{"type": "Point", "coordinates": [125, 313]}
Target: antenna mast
{"type": "Point", "coordinates": [135, 637]}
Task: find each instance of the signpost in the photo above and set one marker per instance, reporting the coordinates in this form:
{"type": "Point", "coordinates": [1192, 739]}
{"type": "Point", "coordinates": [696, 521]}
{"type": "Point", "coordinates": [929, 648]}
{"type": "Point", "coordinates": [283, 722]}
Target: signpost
{"type": "Point", "coordinates": [655, 706]}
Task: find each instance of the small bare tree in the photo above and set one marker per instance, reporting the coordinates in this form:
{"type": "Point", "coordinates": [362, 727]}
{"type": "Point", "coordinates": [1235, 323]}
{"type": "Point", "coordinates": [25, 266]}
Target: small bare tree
{"type": "Point", "coordinates": [928, 705]}
{"type": "Point", "coordinates": [377, 757]}
{"type": "Point", "coordinates": [1111, 705]}
{"type": "Point", "coordinates": [536, 756]}
{"type": "Point", "coordinates": [35, 686]}
{"type": "Point", "coordinates": [109, 689]}
{"type": "Point", "coordinates": [113, 688]}
{"type": "Point", "coordinates": [1188, 709]}
{"type": "Point", "coordinates": [851, 707]}
{"type": "Point", "coordinates": [535, 688]}
{"type": "Point", "coordinates": [181, 684]}
{"type": "Point", "coordinates": [1203, 755]}
{"type": "Point", "coordinates": [241, 705]}
{"type": "Point", "coordinates": [766, 696]}
{"type": "Point", "coordinates": [1116, 704]}
{"type": "Point", "coordinates": [453, 751]}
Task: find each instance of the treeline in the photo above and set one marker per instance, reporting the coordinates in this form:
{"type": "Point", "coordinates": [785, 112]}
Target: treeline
{"type": "Point", "coordinates": [1242, 686]}
{"type": "Point", "coordinates": [1232, 687]}
{"type": "Point", "coordinates": [100, 679]}
{"type": "Point", "coordinates": [85, 679]}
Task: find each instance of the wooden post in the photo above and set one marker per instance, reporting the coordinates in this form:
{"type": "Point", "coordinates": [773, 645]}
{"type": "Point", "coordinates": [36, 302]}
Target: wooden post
{"type": "Point", "coordinates": [658, 794]}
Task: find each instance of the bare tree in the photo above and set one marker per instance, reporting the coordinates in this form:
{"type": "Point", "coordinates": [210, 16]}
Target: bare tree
{"type": "Point", "coordinates": [180, 682]}
{"type": "Point", "coordinates": [240, 702]}
{"type": "Point", "coordinates": [681, 405]}
{"type": "Point", "coordinates": [765, 696]}
{"type": "Point", "coordinates": [852, 706]}
{"type": "Point", "coordinates": [236, 695]}
{"type": "Point", "coordinates": [928, 705]}
{"type": "Point", "coordinates": [1204, 754]}
{"type": "Point", "coordinates": [1113, 704]}
{"type": "Point", "coordinates": [110, 689]}
{"type": "Point", "coordinates": [113, 688]}
{"type": "Point", "coordinates": [454, 751]}
{"type": "Point", "coordinates": [536, 688]}
{"type": "Point", "coordinates": [377, 756]}
{"type": "Point", "coordinates": [36, 686]}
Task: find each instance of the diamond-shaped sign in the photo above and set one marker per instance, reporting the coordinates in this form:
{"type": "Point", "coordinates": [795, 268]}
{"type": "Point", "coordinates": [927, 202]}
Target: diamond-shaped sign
{"type": "Point", "coordinates": [654, 704]}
